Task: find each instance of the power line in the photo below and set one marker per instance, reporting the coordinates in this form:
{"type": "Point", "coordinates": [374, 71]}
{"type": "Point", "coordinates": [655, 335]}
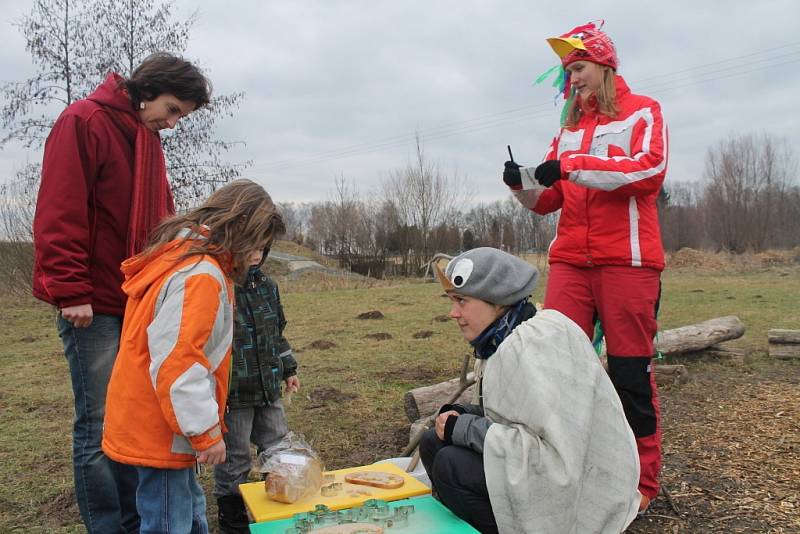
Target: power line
{"type": "Point", "coordinates": [525, 113]}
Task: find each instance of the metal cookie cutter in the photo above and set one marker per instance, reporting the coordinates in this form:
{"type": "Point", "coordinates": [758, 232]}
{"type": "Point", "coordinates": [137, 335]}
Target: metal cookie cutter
{"type": "Point", "coordinates": [332, 489]}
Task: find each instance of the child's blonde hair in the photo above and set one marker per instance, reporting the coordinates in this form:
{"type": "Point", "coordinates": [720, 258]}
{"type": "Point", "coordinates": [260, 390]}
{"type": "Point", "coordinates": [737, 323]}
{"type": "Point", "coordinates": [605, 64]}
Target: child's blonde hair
{"type": "Point", "coordinates": [606, 99]}
{"type": "Point", "coordinates": [238, 218]}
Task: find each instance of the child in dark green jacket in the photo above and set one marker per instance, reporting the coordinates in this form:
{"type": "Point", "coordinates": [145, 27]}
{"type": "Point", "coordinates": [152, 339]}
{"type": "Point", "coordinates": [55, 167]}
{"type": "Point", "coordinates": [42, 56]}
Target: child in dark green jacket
{"type": "Point", "coordinates": [261, 360]}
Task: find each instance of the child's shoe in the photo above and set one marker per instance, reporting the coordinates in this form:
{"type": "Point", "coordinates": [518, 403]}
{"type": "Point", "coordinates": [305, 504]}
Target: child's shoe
{"type": "Point", "coordinates": [232, 515]}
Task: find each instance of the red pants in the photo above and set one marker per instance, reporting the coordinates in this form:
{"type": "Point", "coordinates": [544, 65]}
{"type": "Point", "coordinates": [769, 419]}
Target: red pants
{"type": "Point", "coordinates": [625, 299]}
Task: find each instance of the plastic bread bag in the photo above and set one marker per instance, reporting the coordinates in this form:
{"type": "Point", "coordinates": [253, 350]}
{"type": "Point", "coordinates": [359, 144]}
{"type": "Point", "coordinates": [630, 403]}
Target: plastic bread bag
{"type": "Point", "coordinates": [293, 469]}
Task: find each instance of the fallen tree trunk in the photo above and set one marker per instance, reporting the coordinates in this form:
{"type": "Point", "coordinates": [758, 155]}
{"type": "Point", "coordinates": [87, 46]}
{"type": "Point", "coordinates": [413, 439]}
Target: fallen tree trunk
{"type": "Point", "coordinates": [784, 344]}
{"type": "Point", "coordinates": [421, 403]}
{"type": "Point", "coordinates": [665, 375]}
{"type": "Point", "coordinates": [699, 336]}
{"type": "Point", "coordinates": [424, 401]}
{"type": "Point", "coordinates": [783, 336]}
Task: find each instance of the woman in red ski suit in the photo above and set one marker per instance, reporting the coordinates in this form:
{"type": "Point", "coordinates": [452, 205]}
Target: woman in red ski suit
{"type": "Point", "coordinates": [604, 170]}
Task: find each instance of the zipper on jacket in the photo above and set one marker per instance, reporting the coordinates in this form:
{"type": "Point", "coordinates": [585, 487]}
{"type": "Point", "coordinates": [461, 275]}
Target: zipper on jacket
{"type": "Point", "coordinates": [589, 260]}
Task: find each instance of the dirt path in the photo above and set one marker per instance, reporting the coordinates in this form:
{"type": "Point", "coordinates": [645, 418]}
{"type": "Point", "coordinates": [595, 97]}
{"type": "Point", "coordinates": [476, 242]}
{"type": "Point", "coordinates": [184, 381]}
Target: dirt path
{"type": "Point", "coordinates": [731, 451]}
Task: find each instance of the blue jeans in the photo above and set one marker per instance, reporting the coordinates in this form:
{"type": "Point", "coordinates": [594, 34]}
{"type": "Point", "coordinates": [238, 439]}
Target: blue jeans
{"type": "Point", "coordinates": [263, 427]}
{"type": "Point", "coordinates": [170, 501]}
{"type": "Point", "coordinates": [105, 490]}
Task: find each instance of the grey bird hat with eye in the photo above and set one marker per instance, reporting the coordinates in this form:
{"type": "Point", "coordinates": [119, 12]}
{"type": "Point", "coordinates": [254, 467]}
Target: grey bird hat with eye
{"type": "Point", "coordinates": [489, 274]}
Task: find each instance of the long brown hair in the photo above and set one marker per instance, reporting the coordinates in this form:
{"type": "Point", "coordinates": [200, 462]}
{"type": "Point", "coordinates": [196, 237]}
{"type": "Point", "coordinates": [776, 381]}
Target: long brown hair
{"type": "Point", "coordinates": [606, 96]}
{"type": "Point", "coordinates": [238, 218]}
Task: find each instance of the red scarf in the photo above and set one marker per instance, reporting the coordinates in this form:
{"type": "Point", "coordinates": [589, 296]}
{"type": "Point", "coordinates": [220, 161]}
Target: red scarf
{"type": "Point", "coordinates": [151, 195]}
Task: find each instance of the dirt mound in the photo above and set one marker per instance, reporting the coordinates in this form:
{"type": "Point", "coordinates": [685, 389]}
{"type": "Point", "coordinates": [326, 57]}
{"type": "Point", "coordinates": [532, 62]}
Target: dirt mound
{"type": "Point", "coordinates": [323, 394]}
{"type": "Point", "coordinates": [689, 257]}
{"type": "Point", "coordinates": [722, 261]}
{"type": "Point", "coordinates": [778, 257]}
{"type": "Point", "coordinates": [379, 336]}
{"type": "Point", "coordinates": [423, 334]}
{"type": "Point", "coordinates": [322, 344]}
{"type": "Point", "coordinates": [374, 314]}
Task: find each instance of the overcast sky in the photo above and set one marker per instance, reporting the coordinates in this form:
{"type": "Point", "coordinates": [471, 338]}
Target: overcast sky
{"type": "Point", "coordinates": [339, 88]}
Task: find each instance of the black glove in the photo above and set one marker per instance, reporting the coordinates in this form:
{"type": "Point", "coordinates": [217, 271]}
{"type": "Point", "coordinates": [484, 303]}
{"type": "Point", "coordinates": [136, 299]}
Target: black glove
{"type": "Point", "coordinates": [548, 173]}
{"type": "Point", "coordinates": [511, 175]}
{"type": "Point", "coordinates": [449, 425]}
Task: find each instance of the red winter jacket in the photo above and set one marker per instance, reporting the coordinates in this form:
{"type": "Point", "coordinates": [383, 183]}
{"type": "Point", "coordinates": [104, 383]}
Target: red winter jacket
{"type": "Point", "coordinates": [612, 172]}
{"type": "Point", "coordinates": [81, 224]}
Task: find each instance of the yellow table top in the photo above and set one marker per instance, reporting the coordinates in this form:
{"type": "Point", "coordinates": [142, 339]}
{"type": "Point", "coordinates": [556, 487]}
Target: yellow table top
{"type": "Point", "coordinates": [262, 508]}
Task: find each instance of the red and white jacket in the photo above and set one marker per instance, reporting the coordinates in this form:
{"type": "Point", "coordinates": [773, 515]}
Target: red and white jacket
{"type": "Point", "coordinates": [612, 170]}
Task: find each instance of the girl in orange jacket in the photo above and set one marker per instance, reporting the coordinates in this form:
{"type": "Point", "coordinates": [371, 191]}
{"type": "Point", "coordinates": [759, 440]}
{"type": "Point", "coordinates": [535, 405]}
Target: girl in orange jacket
{"type": "Point", "coordinates": [166, 397]}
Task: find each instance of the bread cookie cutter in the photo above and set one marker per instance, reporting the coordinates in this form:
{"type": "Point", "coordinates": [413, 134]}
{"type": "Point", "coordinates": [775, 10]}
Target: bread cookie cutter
{"type": "Point", "coordinates": [331, 490]}
{"type": "Point", "coordinates": [373, 511]}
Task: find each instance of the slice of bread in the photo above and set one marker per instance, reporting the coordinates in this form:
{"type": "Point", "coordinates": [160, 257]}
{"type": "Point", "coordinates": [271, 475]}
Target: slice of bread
{"type": "Point", "coordinates": [377, 479]}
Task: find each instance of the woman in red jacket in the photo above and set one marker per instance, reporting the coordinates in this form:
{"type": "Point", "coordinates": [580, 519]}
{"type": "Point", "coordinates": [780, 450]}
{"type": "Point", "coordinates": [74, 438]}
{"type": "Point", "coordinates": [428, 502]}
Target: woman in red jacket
{"type": "Point", "coordinates": [604, 171]}
{"type": "Point", "coordinates": [104, 188]}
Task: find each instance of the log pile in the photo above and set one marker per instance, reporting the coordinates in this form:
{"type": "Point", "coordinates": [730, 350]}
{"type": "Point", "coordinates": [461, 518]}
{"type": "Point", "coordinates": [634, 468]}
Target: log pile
{"type": "Point", "coordinates": [784, 344]}
{"type": "Point", "coordinates": [701, 338]}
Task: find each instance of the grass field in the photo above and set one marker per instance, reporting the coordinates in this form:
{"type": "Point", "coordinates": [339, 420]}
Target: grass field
{"type": "Point", "coordinates": [350, 404]}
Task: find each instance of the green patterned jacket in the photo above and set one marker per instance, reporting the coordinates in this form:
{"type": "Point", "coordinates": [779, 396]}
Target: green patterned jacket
{"type": "Point", "coordinates": [261, 357]}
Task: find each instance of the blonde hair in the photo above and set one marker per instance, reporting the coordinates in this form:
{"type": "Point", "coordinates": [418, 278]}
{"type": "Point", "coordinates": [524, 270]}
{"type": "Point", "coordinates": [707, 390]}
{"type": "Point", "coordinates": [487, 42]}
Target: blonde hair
{"type": "Point", "coordinates": [239, 217]}
{"type": "Point", "coordinates": [606, 96]}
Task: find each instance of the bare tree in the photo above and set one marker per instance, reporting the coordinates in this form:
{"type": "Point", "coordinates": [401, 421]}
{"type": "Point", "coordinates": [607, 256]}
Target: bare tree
{"type": "Point", "coordinates": [681, 217]}
{"type": "Point", "coordinates": [747, 179]}
{"type": "Point", "coordinates": [296, 218]}
{"type": "Point", "coordinates": [75, 43]}
{"type": "Point", "coordinates": [57, 35]}
{"type": "Point", "coordinates": [17, 205]}
{"type": "Point", "coordinates": [423, 197]}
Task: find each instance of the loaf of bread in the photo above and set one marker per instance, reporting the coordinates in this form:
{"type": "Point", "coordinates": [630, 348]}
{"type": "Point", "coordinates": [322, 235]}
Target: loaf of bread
{"type": "Point", "coordinates": [280, 488]}
{"type": "Point", "coordinates": [378, 479]}
{"type": "Point", "coordinates": [293, 478]}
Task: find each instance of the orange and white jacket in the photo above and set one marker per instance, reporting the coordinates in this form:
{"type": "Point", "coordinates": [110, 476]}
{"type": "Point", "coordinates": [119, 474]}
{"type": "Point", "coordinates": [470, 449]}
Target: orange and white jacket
{"type": "Point", "coordinates": [166, 398]}
{"type": "Point", "coordinates": [612, 170]}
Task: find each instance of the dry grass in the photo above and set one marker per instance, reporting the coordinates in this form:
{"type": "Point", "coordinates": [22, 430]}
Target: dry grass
{"type": "Point", "coordinates": [689, 258]}
{"type": "Point", "coordinates": [731, 450]}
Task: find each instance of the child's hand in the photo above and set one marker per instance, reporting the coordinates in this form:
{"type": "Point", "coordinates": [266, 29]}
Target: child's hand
{"type": "Point", "coordinates": [292, 384]}
{"type": "Point", "coordinates": [213, 455]}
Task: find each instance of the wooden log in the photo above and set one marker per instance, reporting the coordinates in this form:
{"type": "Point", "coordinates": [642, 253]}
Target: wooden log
{"type": "Point", "coordinates": [699, 336]}
{"type": "Point", "coordinates": [425, 401]}
{"type": "Point", "coordinates": [665, 375]}
{"type": "Point", "coordinates": [784, 351]}
{"type": "Point", "coordinates": [776, 335]}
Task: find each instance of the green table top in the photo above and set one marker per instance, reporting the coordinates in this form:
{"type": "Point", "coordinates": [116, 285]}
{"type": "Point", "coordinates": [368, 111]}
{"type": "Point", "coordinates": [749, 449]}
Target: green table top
{"type": "Point", "coordinates": [429, 516]}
